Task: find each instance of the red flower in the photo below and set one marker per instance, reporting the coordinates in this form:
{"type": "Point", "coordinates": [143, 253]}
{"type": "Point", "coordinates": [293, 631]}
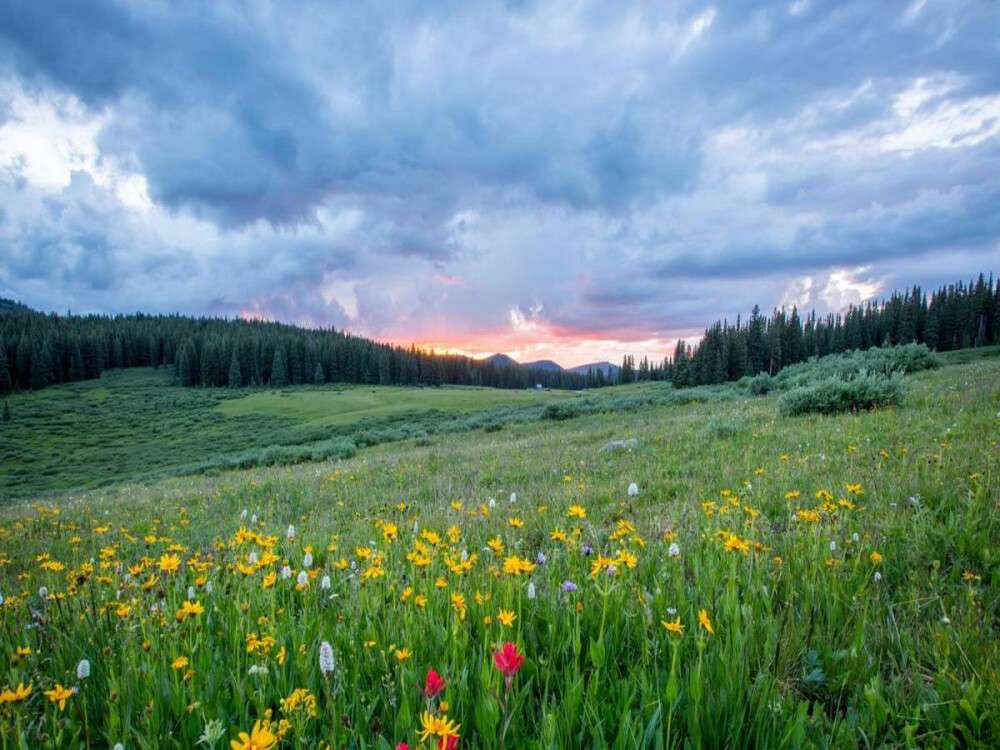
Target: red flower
{"type": "Point", "coordinates": [508, 660]}
{"type": "Point", "coordinates": [433, 684]}
{"type": "Point", "coordinates": [402, 746]}
{"type": "Point", "coordinates": [448, 743]}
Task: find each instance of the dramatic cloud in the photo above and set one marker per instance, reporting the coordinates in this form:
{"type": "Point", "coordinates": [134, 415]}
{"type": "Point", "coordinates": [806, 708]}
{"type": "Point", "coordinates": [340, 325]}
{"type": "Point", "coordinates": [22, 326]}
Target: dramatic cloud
{"type": "Point", "coordinates": [566, 180]}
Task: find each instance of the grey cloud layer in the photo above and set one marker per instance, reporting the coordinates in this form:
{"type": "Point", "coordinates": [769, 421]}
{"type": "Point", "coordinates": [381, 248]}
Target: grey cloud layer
{"type": "Point", "coordinates": [650, 165]}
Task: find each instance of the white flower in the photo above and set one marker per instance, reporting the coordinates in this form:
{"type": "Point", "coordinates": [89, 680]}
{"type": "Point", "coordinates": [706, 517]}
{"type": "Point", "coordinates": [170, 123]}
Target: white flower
{"type": "Point", "coordinates": [945, 620]}
{"type": "Point", "coordinates": [326, 662]}
{"type": "Point", "coordinates": [416, 527]}
{"type": "Point", "coordinates": [208, 587]}
{"type": "Point", "coordinates": [214, 731]}
{"type": "Point", "coordinates": [671, 611]}
{"type": "Point", "coordinates": [513, 497]}
{"type": "Point", "coordinates": [191, 593]}
{"type": "Point", "coordinates": [253, 519]}
{"type": "Point", "coordinates": [252, 558]}
{"type": "Point", "coordinates": [531, 589]}
{"type": "Point", "coordinates": [1, 600]}
{"type": "Point", "coordinates": [118, 746]}
{"type": "Point", "coordinates": [290, 534]}
{"type": "Point", "coordinates": [83, 670]}
{"type": "Point", "coordinates": [833, 546]}
{"type": "Point", "coordinates": [43, 592]}
{"type": "Point", "coordinates": [877, 577]}
{"type": "Point", "coordinates": [286, 572]}
{"type": "Point", "coordinates": [307, 560]}
{"type": "Point", "coordinates": [302, 578]}
{"type": "Point", "coordinates": [674, 550]}
{"type": "Point", "coordinates": [855, 537]}
{"type": "Point", "coordinates": [257, 669]}
{"type": "Point", "coordinates": [465, 555]}
{"type": "Point", "coordinates": [243, 515]}
{"type": "Point", "coordinates": [633, 489]}
{"type": "Point", "coordinates": [493, 502]}
{"type": "Point", "coordinates": [325, 583]}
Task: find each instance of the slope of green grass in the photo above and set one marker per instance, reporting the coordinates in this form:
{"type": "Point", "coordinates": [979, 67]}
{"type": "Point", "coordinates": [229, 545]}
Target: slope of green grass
{"type": "Point", "coordinates": [847, 565]}
{"type": "Point", "coordinates": [133, 424]}
{"type": "Point", "coordinates": [340, 405]}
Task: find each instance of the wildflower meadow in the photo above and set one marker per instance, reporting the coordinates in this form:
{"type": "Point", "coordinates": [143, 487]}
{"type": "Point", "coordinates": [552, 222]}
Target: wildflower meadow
{"type": "Point", "coordinates": [818, 581]}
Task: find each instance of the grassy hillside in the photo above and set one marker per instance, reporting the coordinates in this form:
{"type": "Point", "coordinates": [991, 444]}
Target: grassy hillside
{"type": "Point", "coordinates": [132, 424]}
{"type": "Point", "coordinates": [340, 405]}
{"type": "Point", "coordinates": [845, 565]}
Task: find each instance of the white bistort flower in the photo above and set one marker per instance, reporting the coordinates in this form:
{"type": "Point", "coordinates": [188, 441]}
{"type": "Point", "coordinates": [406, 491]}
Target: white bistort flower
{"type": "Point", "coordinates": [531, 589]}
{"type": "Point", "coordinates": [674, 550]}
{"type": "Point", "coordinates": [633, 489]}
{"type": "Point", "coordinates": [325, 583]}
{"type": "Point", "coordinates": [286, 572]}
{"type": "Point", "coordinates": [302, 578]}
{"type": "Point", "coordinates": [290, 534]}
{"type": "Point", "coordinates": [83, 670]}
{"type": "Point", "coordinates": [326, 662]}
{"type": "Point", "coordinates": [307, 560]}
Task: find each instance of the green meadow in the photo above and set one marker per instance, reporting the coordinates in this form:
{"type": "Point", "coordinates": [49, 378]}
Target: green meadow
{"type": "Point", "coordinates": [340, 405]}
{"type": "Point", "coordinates": [808, 581]}
{"type": "Point", "coordinates": [134, 424]}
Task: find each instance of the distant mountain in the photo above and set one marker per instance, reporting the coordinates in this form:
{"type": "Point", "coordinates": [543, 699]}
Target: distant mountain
{"type": "Point", "coordinates": [543, 364]}
{"type": "Point", "coordinates": [610, 370]}
{"type": "Point", "coordinates": [502, 360]}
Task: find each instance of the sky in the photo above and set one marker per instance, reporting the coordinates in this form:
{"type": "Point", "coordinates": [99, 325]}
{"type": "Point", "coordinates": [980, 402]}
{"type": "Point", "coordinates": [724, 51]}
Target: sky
{"type": "Point", "coordinates": [564, 180]}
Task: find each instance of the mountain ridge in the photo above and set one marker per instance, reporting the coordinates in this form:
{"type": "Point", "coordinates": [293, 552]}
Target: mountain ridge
{"type": "Point", "coordinates": [505, 360]}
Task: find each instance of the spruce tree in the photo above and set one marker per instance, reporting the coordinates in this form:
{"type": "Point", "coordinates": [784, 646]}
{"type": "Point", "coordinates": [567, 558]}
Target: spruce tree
{"type": "Point", "coordinates": [6, 412]}
{"type": "Point", "coordinates": [235, 376]}
{"type": "Point", "coordinates": [318, 378]}
{"type": "Point", "coordinates": [279, 373]}
{"type": "Point", "coordinates": [41, 367]}
{"type": "Point", "coordinates": [6, 383]}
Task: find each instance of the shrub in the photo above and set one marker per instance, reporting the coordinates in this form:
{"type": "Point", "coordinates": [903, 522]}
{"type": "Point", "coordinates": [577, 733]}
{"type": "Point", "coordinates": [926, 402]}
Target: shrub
{"type": "Point", "coordinates": [834, 395]}
{"type": "Point", "coordinates": [720, 429]}
{"type": "Point", "coordinates": [760, 384]}
{"type": "Point", "coordinates": [885, 360]}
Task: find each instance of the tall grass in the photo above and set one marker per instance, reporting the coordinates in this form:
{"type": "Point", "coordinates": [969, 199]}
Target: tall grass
{"type": "Point", "coordinates": [818, 582]}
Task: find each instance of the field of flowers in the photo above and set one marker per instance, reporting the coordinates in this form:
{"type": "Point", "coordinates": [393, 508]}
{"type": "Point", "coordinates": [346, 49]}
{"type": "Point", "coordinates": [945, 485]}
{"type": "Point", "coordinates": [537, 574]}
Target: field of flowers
{"type": "Point", "coordinates": [739, 579]}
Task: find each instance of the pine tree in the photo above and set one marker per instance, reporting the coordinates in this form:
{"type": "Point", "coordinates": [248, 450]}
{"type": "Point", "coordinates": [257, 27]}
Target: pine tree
{"type": "Point", "coordinates": [6, 382]}
{"type": "Point", "coordinates": [235, 375]}
{"type": "Point", "coordinates": [279, 373]}
{"type": "Point", "coordinates": [41, 366]}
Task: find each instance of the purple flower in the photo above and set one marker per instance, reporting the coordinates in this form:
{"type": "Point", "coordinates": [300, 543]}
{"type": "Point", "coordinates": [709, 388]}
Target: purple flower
{"type": "Point", "coordinates": [586, 549]}
{"type": "Point", "coordinates": [568, 586]}
{"type": "Point", "coordinates": [540, 558]}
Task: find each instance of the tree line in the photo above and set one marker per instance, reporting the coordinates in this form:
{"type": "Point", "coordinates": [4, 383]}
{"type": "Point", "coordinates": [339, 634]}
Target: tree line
{"type": "Point", "coordinates": [38, 350]}
{"type": "Point", "coordinates": [956, 316]}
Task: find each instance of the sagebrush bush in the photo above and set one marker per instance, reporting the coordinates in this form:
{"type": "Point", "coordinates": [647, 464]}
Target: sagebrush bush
{"type": "Point", "coordinates": [760, 384]}
{"type": "Point", "coordinates": [886, 360]}
{"type": "Point", "coordinates": [721, 429]}
{"type": "Point", "coordinates": [834, 395]}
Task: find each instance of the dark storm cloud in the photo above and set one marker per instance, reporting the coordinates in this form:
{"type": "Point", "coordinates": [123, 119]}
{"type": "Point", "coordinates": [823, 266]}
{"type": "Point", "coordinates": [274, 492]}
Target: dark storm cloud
{"type": "Point", "coordinates": [340, 157]}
